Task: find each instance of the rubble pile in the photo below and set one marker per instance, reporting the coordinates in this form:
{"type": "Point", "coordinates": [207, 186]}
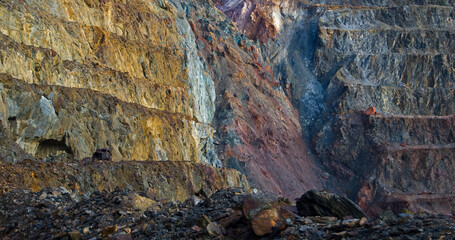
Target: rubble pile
{"type": "Point", "coordinates": [227, 214]}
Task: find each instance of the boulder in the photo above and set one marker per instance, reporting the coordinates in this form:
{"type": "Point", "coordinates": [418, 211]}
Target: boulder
{"type": "Point", "coordinates": [139, 202]}
{"type": "Point", "coordinates": [265, 221]}
{"type": "Point", "coordinates": [102, 154]}
{"type": "Point", "coordinates": [266, 214]}
{"type": "Point", "coordinates": [314, 203]}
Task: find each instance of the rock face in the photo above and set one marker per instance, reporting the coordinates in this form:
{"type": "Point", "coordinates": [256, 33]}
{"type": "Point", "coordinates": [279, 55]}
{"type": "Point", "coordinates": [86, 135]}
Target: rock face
{"type": "Point", "coordinates": [131, 52]}
{"type": "Point", "coordinates": [354, 96]}
{"type": "Point", "coordinates": [258, 130]}
{"type": "Point", "coordinates": [338, 60]}
{"type": "Point", "coordinates": [150, 80]}
{"type": "Point", "coordinates": [173, 180]}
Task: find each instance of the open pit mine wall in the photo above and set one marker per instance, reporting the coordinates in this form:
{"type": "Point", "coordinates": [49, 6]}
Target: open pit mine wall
{"type": "Point", "coordinates": [150, 80]}
{"type": "Point", "coordinates": [123, 76]}
{"type": "Point", "coordinates": [335, 59]}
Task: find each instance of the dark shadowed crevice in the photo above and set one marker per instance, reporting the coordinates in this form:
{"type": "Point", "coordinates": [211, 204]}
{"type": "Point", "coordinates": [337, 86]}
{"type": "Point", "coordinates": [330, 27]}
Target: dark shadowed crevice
{"type": "Point", "coordinates": [50, 147]}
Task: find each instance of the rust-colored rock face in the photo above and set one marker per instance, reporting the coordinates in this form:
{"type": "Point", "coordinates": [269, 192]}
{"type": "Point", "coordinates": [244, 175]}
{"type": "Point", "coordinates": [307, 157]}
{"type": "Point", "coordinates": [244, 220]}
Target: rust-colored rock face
{"type": "Point", "coordinates": [253, 18]}
{"type": "Point", "coordinates": [353, 96]}
{"type": "Point", "coordinates": [255, 121]}
{"type": "Point", "coordinates": [374, 85]}
{"type": "Point", "coordinates": [150, 81]}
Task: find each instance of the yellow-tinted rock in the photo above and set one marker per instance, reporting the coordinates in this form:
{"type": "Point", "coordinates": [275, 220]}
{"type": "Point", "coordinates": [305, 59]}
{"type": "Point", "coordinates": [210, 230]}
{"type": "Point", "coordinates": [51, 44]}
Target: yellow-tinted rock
{"type": "Point", "coordinates": [137, 201]}
{"type": "Point", "coordinates": [137, 52]}
{"type": "Point", "coordinates": [108, 231]}
{"type": "Point", "coordinates": [176, 181]}
{"type": "Point", "coordinates": [264, 222]}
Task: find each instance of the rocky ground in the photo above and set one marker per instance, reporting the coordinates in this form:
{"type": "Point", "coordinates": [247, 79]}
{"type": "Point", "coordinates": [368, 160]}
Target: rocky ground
{"type": "Point", "coordinates": [228, 214]}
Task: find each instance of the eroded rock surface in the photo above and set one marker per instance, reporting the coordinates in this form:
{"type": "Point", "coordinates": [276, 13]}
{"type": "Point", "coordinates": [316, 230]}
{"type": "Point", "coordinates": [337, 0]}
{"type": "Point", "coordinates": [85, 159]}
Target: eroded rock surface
{"type": "Point", "coordinates": [136, 53]}
{"type": "Point", "coordinates": [171, 179]}
{"type": "Point", "coordinates": [336, 60]}
{"type": "Point", "coordinates": [150, 80]}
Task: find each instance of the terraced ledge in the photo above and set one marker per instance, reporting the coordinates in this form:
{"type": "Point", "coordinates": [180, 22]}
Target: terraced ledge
{"type": "Point", "coordinates": [170, 179]}
{"type": "Point", "coordinates": [50, 69]}
{"type": "Point", "coordinates": [399, 101]}
{"type": "Point", "coordinates": [413, 116]}
{"type": "Point", "coordinates": [425, 201]}
{"type": "Point", "coordinates": [75, 41]}
{"type": "Point", "coordinates": [397, 147]}
{"type": "Point", "coordinates": [84, 120]}
{"type": "Point", "coordinates": [380, 41]}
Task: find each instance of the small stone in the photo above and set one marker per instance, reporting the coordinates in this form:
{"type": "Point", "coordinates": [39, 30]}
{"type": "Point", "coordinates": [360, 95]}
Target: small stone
{"type": "Point", "coordinates": [363, 221]}
{"type": "Point", "coordinates": [90, 213]}
{"type": "Point", "coordinates": [340, 233]}
{"type": "Point", "coordinates": [86, 230]}
{"type": "Point", "coordinates": [325, 175]}
{"type": "Point", "coordinates": [214, 230]}
{"type": "Point", "coordinates": [376, 227]}
{"type": "Point", "coordinates": [323, 219]}
{"type": "Point", "coordinates": [127, 230]}
{"type": "Point", "coordinates": [288, 221]}
{"type": "Point", "coordinates": [194, 200]}
{"type": "Point", "coordinates": [307, 221]}
{"type": "Point", "coordinates": [64, 190]}
{"type": "Point", "coordinates": [108, 231]}
{"type": "Point", "coordinates": [74, 235]}
{"type": "Point", "coordinates": [43, 196]}
{"type": "Point", "coordinates": [303, 228]}
{"type": "Point", "coordinates": [350, 222]}
{"type": "Point", "coordinates": [405, 215]}
{"type": "Point", "coordinates": [371, 111]}
{"type": "Point", "coordinates": [388, 216]}
{"type": "Point", "coordinates": [121, 237]}
{"type": "Point", "coordinates": [196, 228]}
{"type": "Point", "coordinates": [56, 194]}
{"type": "Point", "coordinates": [59, 235]}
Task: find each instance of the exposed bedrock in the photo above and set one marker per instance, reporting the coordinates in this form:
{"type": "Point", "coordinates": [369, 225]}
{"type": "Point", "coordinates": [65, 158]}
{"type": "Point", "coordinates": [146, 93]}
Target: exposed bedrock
{"type": "Point", "coordinates": [335, 59]}
{"type": "Point", "coordinates": [149, 80]}
{"type": "Point", "coordinates": [138, 53]}
{"type": "Point", "coordinates": [173, 180]}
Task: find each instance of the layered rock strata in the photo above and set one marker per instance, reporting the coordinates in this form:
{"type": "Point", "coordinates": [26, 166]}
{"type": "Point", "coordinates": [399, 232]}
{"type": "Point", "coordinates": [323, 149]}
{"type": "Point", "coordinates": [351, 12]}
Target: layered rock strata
{"type": "Point", "coordinates": [258, 131]}
{"type": "Point", "coordinates": [172, 180]}
{"type": "Point", "coordinates": [150, 80]}
{"type": "Point", "coordinates": [132, 52]}
{"type": "Point", "coordinates": [336, 59]}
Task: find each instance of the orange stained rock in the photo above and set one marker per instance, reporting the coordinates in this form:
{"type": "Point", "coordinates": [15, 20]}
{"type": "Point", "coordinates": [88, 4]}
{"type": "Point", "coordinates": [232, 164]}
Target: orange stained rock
{"type": "Point", "coordinates": [371, 111]}
{"type": "Point", "coordinates": [264, 222]}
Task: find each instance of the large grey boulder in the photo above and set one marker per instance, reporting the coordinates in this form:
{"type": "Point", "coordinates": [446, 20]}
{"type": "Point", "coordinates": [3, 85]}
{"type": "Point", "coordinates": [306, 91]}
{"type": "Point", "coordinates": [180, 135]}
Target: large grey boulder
{"type": "Point", "coordinates": [314, 203]}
